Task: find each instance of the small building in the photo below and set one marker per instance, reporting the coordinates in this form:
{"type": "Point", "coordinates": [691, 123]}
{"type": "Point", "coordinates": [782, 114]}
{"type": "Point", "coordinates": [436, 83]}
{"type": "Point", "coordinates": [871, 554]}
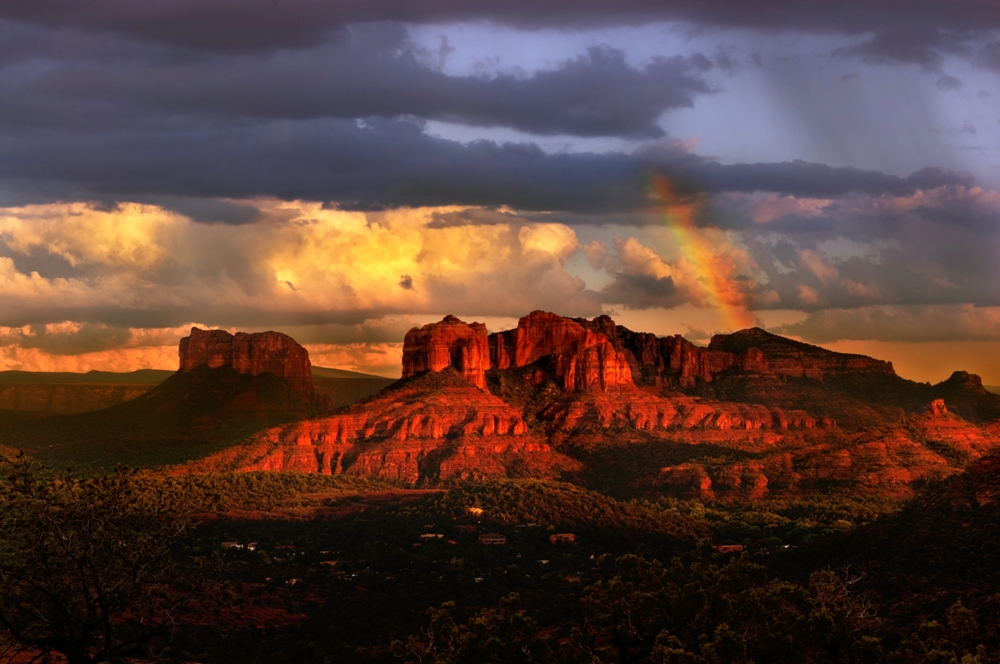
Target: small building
{"type": "Point", "coordinates": [729, 548]}
{"type": "Point", "coordinates": [231, 545]}
{"type": "Point", "coordinates": [466, 528]}
{"type": "Point", "coordinates": [476, 511]}
{"type": "Point", "coordinates": [492, 538]}
{"type": "Point", "coordinates": [431, 535]}
{"type": "Point", "coordinates": [562, 538]}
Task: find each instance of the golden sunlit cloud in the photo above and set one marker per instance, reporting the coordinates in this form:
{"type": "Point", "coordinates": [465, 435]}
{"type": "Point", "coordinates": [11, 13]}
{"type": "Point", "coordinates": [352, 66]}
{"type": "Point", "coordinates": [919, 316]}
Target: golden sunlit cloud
{"type": "Point", "coordinates": [299, 263]}
{"type": "Point", "coordinates": [300, 259]}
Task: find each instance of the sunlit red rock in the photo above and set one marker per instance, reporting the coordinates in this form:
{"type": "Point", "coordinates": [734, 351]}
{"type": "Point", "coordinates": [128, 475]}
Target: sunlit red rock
{"type": "Point", "coordinates": [578, 358]}
{"type": "Point", "coordinates": [435, 427]}
{"type": "Point", "coordinates": [654, 360]}
{"type": "Point", "coordinates": [448, 343]}
{"type": "Point", "coordinates": [963, 438]}
{"type": "Point", "coordinates": [649, 412]}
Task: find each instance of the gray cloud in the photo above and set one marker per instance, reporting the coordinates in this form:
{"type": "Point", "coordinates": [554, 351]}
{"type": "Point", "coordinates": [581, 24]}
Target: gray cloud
{"type": "Point", "coordinates": [47, 265]}
{"type": "Point", "coordinates": [255, 25]}
{"type": "Point", "coordinates": [87, 338]}
{"type": "Point", "coordinates": [910, 323]}
{"type": "Point", "coordinates": [936, 248]}
{"type": "Point", "coordinates": [641, 291]}
{"type": "Point", "coordinates": [382, 164]}
{"type": "Point", "coordinates": [370, 71]}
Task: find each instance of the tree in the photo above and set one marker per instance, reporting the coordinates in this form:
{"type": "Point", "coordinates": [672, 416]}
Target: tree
{"type": "Point", "coordinates": [85, 565]}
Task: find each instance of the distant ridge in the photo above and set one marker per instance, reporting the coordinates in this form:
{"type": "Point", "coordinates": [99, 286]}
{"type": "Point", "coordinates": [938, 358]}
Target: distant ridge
{"type": "Point", "coordinates": [140, 377]}
{"type": "Point", "coordinates": [326, 372]}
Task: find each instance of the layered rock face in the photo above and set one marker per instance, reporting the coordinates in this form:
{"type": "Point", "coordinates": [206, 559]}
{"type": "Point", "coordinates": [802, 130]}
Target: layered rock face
{"type": "Point", "coordinates": [251, 354]}
{"type": "Point", "coordinates": [579, 358]}
{"type": "Point", "coordinates": [597, 354]}
{"type": "Point", "coordinates": [655, 360]}
{"type": "Point", "coordinates": [437, 427]}
{"type": "Point", "coordinates": [648, 412]}
{"type": "Point", "coordinates": [449, 343]}
{"type": "Point", "coordinates": [965, 440]}
{"type": "Point", "coordinates": [931, 446]}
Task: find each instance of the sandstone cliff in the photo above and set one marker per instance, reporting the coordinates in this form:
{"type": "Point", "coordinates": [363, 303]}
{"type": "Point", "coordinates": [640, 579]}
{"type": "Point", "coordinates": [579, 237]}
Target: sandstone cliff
{"type": "Point", "coordinates": [427, 428]}
{"type": "Point", "coordinates": [665, 360]}
{"type": "Point", "coordinates": [575, 357]}
{"type": "Point", "coordinates": [449, 343]}
{"type": "Point", "coordinates": [931, 446]}
{"type": "Point", "coordinates": [750, 416]}
{"type": "Point", "coordinates": [250, 354]}
{"type": "Point", "coordinates": [649, 412]}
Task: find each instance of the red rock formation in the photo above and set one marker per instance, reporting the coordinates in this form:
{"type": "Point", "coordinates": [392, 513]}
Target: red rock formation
{"type": "Point", "coordinates": [889, 465]}
{"type": "Point", "coordinates": [648, 412]}
{"type": "Point", "coordinates": [786, 357]}
{"type": "Point", "coordinates": [690, 478]}
{"type": "Point", "coordinates": [656, 359]}
{"type": "Point", "coordinates": [438, 427]}
{"type": "Point", "coordinates": [449, 343]}
{"type": "Point", "coordinates": [252, 354]}
{"type": "Point", "coordinates": [579, 358]}
{"type": "Point", "coordinates": [966, 440]}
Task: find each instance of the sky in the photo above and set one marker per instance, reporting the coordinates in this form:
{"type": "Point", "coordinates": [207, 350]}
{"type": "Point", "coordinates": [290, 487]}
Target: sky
{"type": "Point", "coordinates": [828, 170]}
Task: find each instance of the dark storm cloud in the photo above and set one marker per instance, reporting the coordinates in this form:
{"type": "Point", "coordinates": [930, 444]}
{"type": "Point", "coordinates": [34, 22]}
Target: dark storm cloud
{"type": "Point", "coordinates": [254, 25]}
{"type": "Point", "coordinates": [988, 56]}
{"type": "Point", "coordinates": [807, 179]}
{"type": "Point", "coordinates": [641, 291]}
{"type": "Point", "coordinates": [920, 32]}
{"type": "Point", "coordinates": [872, 251]}
{"type": "Point", "coordinates": [919, 44]}
{"type": "Point", "coordinates": [371, 71]}
{"type": "Point", "coordinates": [166, 315]}
{"type": "Point", "coordinates": [382, 164]}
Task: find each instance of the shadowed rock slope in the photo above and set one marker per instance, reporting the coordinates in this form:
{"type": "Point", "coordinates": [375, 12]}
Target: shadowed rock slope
{"type": "Point", "coordinates": [228, 387]}
{"type": "Point", "coordinates": [63, 393]}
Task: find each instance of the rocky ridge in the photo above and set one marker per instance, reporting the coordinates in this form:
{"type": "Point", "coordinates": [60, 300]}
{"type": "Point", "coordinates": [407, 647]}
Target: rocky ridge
{"type": "Point", "coordinates": [526, 400]}
{"type": "Point", "coordinates": [431, 427]}
{"type": "Point", "coordinates": [675, 360]}
{"type": "Point", "coordinates": [930, 446]}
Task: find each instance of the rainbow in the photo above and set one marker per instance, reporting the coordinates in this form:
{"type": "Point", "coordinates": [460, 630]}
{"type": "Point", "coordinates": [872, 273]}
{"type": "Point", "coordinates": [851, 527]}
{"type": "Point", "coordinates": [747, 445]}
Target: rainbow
{"type": "Point", "coordinates": [715, 269]}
